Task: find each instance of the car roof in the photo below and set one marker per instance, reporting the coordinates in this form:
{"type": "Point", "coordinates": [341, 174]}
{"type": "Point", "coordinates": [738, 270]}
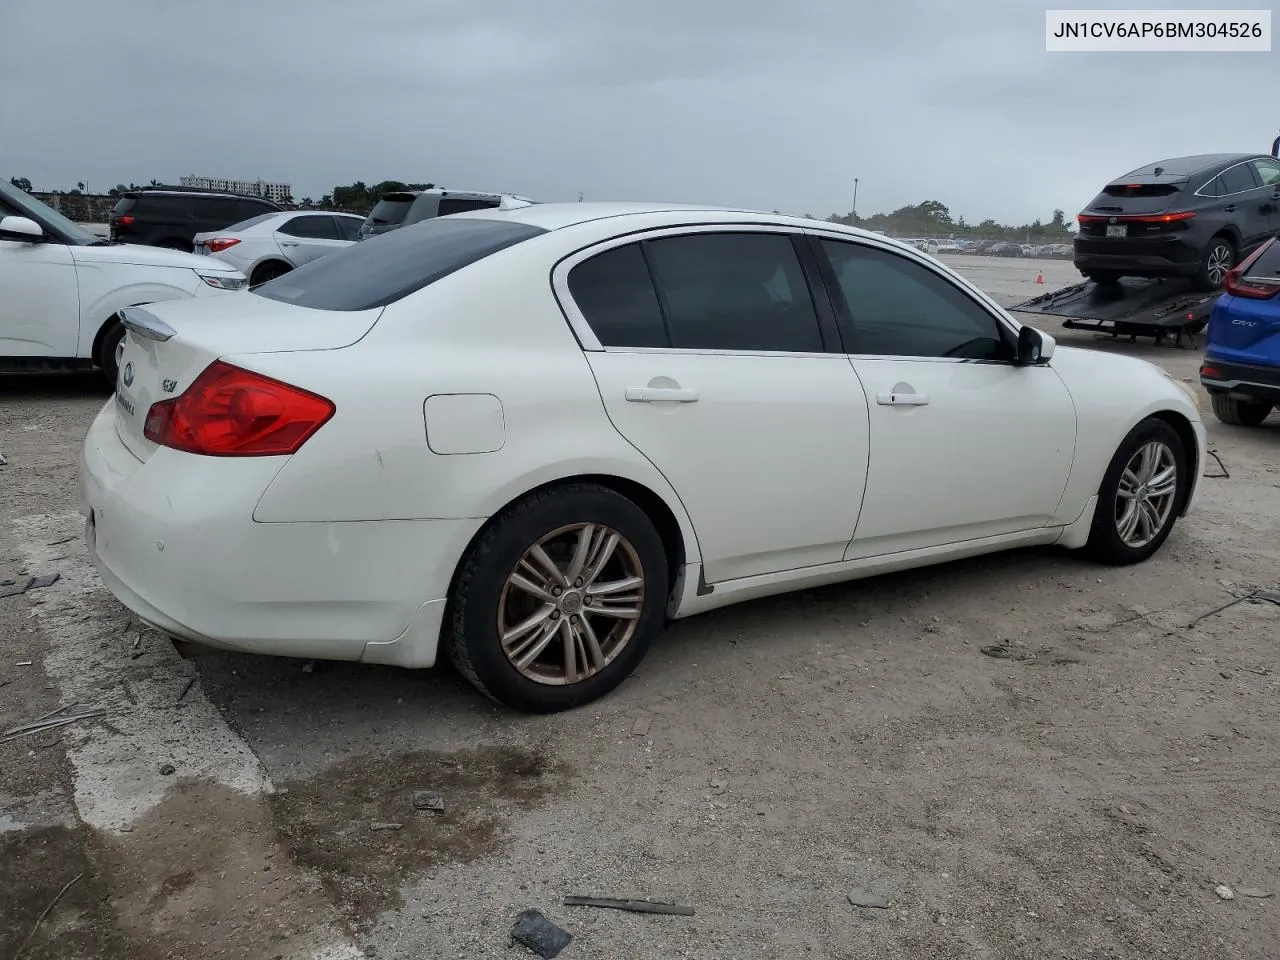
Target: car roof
{"type": "Point", "coordinates": [212, 195]}
{"type": "Point", "coordinates": [556, 216]}
{"type": "Point", "coordinates": [1189, 166]}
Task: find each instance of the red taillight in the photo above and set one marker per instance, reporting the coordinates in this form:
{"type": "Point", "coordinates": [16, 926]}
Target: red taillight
{"type": "Point", "coordinates": [1213, 373]}
{"type": "Point", "coordinates": [125, 221]}
{"type": "Point", "coordinates": [1135, 218]}
{"type": "Point", "coordinates": [230, 412]}
{"type": "Point", "coordinates": [222, 243]}
{"type": "Point", "coordinates": [1252, 288]}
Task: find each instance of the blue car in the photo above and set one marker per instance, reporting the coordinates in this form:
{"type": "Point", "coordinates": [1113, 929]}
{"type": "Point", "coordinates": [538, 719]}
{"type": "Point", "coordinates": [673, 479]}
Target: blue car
{"type": "Point", "coordinates": [1241, 366]}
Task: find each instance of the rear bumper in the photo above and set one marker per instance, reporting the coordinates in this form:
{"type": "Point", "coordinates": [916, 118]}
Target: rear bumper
{"type": "Point", "coordinates": [1169, 257]}
{"type": "Point", "coordinates": [1242, 381]}
{"type": "Point", "coordinates": [174, 541]}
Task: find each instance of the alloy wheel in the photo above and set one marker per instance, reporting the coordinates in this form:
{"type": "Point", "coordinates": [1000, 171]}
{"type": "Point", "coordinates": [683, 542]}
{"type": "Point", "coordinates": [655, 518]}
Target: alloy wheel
{"type": "Point", "coordinates": [571, 604]}
{"type": "Point", "coordinates": [1146, 493]}
{"type": "Point", "coordinates": [1219, 263]}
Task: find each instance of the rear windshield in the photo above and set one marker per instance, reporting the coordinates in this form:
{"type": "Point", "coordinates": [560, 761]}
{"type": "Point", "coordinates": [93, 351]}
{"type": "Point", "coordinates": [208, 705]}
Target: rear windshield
{"type": "Point", "coordinates": [1267, 266]}
{"type": "Point", "coordinates": [246, 224]}
{"type": "Point", "coordinates": [390, 266]}
{"type": "Point", "coordinates": [123, 206]}
{"type": "Point", "coordinates": [390, 210]}
{"type": "Point", "coordinates": [1141, 190]}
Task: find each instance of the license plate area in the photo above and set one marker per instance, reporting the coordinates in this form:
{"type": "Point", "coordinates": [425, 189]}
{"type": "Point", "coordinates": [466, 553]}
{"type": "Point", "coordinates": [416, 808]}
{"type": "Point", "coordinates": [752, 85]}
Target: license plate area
{"type": "Point", "coordinates": [1117, 230]}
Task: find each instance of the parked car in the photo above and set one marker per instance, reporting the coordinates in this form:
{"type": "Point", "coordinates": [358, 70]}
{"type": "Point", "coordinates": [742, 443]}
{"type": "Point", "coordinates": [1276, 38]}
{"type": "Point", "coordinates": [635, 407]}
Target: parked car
{"type": "Point", "coordinates": [1184, 217]}
{"type": "Point", "coordinates": [1241, 368]}
{"type": "Point", "coordinates": [557, 406]}
{"type": "Point", "coordinates": [1005, 249]}
{"type": "Point", "coordinates": [172, 218]}
{"type": "Point", "coordinates": [62, 288]}
{"type": "Point", "coordinates": [272, 244]}
{"type": "Point", "coordinates": [402, 208]}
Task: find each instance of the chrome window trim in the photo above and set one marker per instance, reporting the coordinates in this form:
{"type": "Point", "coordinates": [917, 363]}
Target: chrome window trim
{"type": "Point", "coordinates": [1222, 196]}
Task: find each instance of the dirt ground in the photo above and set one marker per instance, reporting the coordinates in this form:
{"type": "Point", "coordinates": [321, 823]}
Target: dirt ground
{"type": "Point", "coordinates": [1081, 797]}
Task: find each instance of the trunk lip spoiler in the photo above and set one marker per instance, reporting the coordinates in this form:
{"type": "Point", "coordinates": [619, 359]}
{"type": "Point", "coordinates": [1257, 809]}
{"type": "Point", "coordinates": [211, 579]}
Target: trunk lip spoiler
{"type": "Point", "coordinates": [146, 324]}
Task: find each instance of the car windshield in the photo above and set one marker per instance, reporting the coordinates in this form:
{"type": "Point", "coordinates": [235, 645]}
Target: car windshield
{"type": "Point", "coordinates": [69, 228]}
{"type": "Point", "coordinates": [392, 265]}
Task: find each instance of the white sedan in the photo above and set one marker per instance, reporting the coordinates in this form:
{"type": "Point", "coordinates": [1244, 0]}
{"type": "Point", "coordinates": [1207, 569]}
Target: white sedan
{"type": "Point", "coordinates": [271, 244]}
{"type": "Point", "coordinates": [62, 288]}
{"type": "Point", "coordinates": [524, 439]}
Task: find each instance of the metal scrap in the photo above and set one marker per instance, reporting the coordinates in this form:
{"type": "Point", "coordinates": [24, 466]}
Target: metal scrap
{"type": "Point", "coordinates": [535, 931]}
{"type": "Point", "coordinates": [634, 906]}
{"type": "Point", "coordinates": [1226, 606]}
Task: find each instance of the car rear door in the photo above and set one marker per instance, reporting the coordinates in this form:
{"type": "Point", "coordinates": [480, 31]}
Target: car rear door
{"type": "Point", "coordinates": [307, 237]}
{"type": "Point", "coordinates": [964, 444]}
{"type": "Point", "coordinates": [717, 362]}
{"type": "Point", "coordinates": [1244, 202]}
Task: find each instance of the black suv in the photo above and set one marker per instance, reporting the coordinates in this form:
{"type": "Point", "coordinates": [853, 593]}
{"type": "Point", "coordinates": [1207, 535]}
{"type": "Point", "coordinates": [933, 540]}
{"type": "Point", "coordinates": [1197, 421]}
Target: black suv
{"type": "Point", "coordinates": [171, 218]}
{"type": "Point", "coordinates": [394, 210]}
{"type": "Point", "coordinates": [1186, 217]}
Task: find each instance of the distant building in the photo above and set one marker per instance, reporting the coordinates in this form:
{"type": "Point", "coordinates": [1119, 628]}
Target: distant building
{"type": "Point", "coordinates": [275, 192]}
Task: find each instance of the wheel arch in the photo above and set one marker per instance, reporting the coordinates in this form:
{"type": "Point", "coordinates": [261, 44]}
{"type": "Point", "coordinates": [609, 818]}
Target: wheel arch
{"type": "Point", "coordinates": [1187, 434]}
{"type": "Point", "coordinates": [270, 259]}
{"type": "Point", "coordinates": [661, 513]}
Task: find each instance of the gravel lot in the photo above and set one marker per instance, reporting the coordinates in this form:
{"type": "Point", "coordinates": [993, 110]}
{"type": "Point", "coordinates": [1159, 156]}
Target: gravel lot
{"type": "Point", "coordinates": [1082, 798]}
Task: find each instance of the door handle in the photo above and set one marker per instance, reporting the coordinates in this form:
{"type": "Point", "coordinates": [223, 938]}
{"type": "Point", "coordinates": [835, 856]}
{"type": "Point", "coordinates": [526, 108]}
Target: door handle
{"type": "Point", "coordinates": [660, 394]}
{"type": "Point", "coordinates": [1229, 208]}
{"type": "Point", "coordinates": [288, 243]}
{"type": "Point", "coordinates": [902, 399]}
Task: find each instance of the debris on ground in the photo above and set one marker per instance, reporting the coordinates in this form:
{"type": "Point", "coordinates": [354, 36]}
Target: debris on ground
{"type": "Point", "coordinates": [1266, 596]}
{"type": "Point", "coordinates": [379, 825]}
{"type": "Point", "coordinates": [717, 786]}
{"type": "Point", "coordinates": [1003, 651]}
{"type": "Point", "coordinates": [47, 580]}
{"type": "Point", "coordinates": [58, 543]}
{"type": "Point", "coordinates": [641, 727]}
{"type": "Point", "coordinates": [539, 934]}
{"type": "Point", "coordinates": [3, 461]}
{"type": "Point", "coordinates": [865, 898]}
{"type": "Point", "coordinates": [309, 667]}
{"type": "Point", "coordinates": [50, 720]}
{"type": "Point", "coordinates": [1226, 606]}
{"type": "Point", "coordinates": [1254, 894]}
{"type": "Point", "coordinates": [1224, 892]}
{"type": "Point", "coordinates": [168, 770]}
{"type": "Point", "coordinates": [45, 912]}
{"type": "Point", "coordinates": [634, 906]}
{"type": "Point", "coordinates": [191, 682]}
{"type": "Point", "coordinates": [427, 800]}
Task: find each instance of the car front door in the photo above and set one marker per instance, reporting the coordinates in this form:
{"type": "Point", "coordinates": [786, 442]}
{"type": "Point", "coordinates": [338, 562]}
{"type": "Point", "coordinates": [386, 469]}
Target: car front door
{"type": "Point", "coordinates": [1245, 204]}
{"type": "Point", "coordinates": [964, 443]}
{"type": "Point", "coordinates": [1268, 172]}
{"type": "Point", "coordinates": [39, 296]}
{"type": "Point", "coordinates": [717, 363]}
{"type": "Point", "coordinates": [308, 236]}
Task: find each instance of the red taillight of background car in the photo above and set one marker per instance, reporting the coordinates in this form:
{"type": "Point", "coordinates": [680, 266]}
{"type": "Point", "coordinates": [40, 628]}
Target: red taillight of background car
{"type": "Point", "coordinates": [1252, 288]}
{"type": "Point", "coordinates": [231, 412]}
{"type": "Point", "coordinates": [219, 244]}
{"type": "Point", "coordinates": [125, 221]}
{"type": "Point", "coordinates": [1135, 218]}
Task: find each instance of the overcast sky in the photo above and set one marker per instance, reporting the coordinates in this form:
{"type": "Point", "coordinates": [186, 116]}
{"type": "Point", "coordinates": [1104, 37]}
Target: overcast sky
{"type": "Point", "coordinates": [772, 104]}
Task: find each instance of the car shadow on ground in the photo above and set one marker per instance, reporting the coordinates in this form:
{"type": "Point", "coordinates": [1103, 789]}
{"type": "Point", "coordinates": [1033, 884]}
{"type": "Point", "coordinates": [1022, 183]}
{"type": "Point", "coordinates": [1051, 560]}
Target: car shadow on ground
{"type": "Point", "coordinates": [31, 385]}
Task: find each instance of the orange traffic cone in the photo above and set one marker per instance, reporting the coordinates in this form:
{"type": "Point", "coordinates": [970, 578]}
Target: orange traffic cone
{"type": "Point", "coordinates": [1040, 277]}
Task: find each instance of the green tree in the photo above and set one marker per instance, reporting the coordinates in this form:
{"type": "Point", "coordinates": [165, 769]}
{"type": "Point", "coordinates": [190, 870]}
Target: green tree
{"type": "Point", "coordinates": [22, 183]}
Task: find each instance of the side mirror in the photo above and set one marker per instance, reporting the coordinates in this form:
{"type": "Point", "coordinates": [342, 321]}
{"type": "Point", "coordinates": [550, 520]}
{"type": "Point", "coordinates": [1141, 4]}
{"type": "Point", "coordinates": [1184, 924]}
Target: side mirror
{"type": "Point", "coordinates": [21, 229]}
{"type": "Point", "coordinates": [1034, 348]}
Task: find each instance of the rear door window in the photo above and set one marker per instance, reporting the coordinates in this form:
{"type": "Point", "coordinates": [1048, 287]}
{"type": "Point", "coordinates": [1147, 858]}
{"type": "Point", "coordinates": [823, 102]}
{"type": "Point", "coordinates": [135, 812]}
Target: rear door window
{"type": "Point", "coordinates": [1238, 179]}
{"type": "Point", "coordinates": [349, 227]}
{"type": "Point", "coordinates": [615, 294]}
{"type": "Point", "coordinates": [389, 267]}
{"type": "Point", "coordinates": [312, 227]}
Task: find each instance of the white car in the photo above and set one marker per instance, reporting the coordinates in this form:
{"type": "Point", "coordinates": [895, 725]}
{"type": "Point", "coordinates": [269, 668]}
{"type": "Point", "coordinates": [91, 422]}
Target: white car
{"type": "Point", "coordinates": [271, 244]}
{"type": "Point", "coordinates": [62, 288]}
{"type": "Point", "coordinates": [525, 438]}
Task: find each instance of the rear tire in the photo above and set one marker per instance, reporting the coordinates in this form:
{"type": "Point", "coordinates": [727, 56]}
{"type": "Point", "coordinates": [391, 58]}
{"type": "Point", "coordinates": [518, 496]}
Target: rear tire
{"type": "Point", "coordinates": [1218, 258]}
{"type": "Point", "coordinates": [1239, 413]}
{"type": "Point", "coordinates": [268, 271]}
{"type": "Point", "coordinates": [106, 357]}
{"type": "Point", "coordinates": [542, 652]}
{"type": "Point", "coordinates": [1141, 494]}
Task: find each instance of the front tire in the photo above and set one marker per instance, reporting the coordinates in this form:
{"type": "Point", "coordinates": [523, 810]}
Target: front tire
{"type": "Point", "coordinates": [557, 601]}
{"type": "Point", "coordinates": [1239, 413]}
{"type": "Point", "coordinates": [1140, 496]}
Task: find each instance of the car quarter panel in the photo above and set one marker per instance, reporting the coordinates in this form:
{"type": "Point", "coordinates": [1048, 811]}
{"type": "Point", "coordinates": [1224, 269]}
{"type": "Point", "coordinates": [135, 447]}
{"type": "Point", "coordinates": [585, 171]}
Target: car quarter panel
{"type": "Point", "coordinates": [102, 294]}
{"type": "Point", "coordinates": [1113, 394]}
{"type": "Point", "coordinates": [372, 461]}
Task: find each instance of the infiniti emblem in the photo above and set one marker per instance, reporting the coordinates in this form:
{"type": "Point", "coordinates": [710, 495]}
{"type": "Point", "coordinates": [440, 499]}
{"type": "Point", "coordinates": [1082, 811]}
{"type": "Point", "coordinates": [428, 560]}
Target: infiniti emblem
{"type": "Point", "coordinates": [1112, 220]}
{"type": "Point", "coordinates": [128, 374]}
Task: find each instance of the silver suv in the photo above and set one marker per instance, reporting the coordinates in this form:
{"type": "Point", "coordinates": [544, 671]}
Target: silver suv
{"type": "Point", "coordinates": [402, 208]}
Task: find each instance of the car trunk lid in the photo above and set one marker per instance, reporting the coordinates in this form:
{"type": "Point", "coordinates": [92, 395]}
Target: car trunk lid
{"type": "Point", "coordinates": [169, 344]}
